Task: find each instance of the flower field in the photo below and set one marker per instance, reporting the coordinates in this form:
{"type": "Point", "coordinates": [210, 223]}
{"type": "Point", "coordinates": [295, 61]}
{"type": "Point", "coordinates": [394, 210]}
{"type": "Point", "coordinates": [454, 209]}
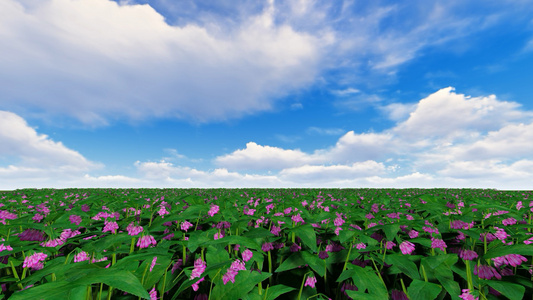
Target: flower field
{"type": "Point", "coordinates": [266, 244]}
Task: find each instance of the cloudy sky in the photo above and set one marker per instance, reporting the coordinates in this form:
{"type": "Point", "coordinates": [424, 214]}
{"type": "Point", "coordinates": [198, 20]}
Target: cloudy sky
{"type": "Point", "coordinates": [247, 93]}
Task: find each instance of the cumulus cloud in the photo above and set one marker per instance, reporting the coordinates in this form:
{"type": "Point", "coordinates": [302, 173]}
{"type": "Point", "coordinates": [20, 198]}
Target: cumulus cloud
{"type": "Point", "coordinates": [33, 150]}
{"type": "Point", "coordinates": [99, 60]}
{"type": "Point", "coordinates": [258, 157]}
{"type": "Point", "coordinates": [447, 139]}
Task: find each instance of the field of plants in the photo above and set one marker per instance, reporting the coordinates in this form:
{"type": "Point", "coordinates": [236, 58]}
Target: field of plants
{"type": "Point", "coordinates": [266, 244]}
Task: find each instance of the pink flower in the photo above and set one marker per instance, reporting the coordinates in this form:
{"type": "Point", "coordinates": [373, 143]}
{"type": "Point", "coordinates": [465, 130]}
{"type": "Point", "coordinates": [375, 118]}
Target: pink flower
{"type": "Point", "coordinates": [195, 286]}
{"type": "Point", "coordinates": [82, 256]}
{"type": "Point", "coordinates": [199, 268]}
{"type": "Point", "coordinates": [8, 248]}
{"type": "Point", "coordinates": [467, 296]}
{"type": "Point", "coordinates": [153, 263]}
{"type": "Point", "coordinates": [163, 211]}
{"type": "Point", "coordinates": [247, 255]}
{"type": "Point", "coordinates": [146, 241]}
{"type": "Point", "coordinates": [310, 281]}
{"type": "Point", "coordinates": [134, 230]}
{"type": "Point", "coordinates": [34, 261]}
{"type": "Point", "coordinates": [110, 226]}
{"type": "Point", "coordinates": [407, 247]}
{"type": "Point", "coordinates": [297, 219]}
{"type": "Point", "coordinates": [153, 294]}
{"type": "Point", "coordinates": [509, 221]}
{"type": "Point", "coordinates": [360, 246]}
{"type": "Point", "coordinates": [218, 235]}
{"type": "Point", "coordinates": [229, 276]}
{"type": "Point", "coordinates": [338, 230]}
{"type": "Point", "coordinates": [389, 245]}
{"type": "Point", "coordinates": [74, 219]}
{"type": "Point", "coordinates": [413, 233]}
{"type": "Point", "coordinates": [275, 230]}
{"type": "Point", "coordinates": [185, 225]}
{"type": "Point", "coordinates": [213, 210]}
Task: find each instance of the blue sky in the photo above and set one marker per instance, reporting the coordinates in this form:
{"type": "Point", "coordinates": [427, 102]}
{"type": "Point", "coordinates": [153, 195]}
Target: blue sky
{"type": "Point", "coordinates": [101, 93]}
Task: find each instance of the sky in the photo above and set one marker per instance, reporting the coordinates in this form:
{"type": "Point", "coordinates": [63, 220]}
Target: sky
{"type": "Point", "coordinates": [248, 93]}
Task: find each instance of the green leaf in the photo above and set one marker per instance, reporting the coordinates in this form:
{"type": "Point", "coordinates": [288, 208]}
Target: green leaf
{"type": "Point", "coordinates": [505, 249]}
{"type": "Point", "coordinates": [307, 234]}
{"type": "Point", "coordinates": [391, 230]}
{"type": "Point", "coordinates": [275, 291]}
{"type": "Point", "coordinates": [366, 279]}
{"type": "Point", "coordinates": [120, 279]}
{"type": "Point", "coordinates": [421, 290]}
{"type": "Point", "coordinates": [510, 290]}
{"type": "Point", "coordinates": [52, 290]}
{"type": "Point", "coordinates": [292, 262]}
{"type": "Point", "coordinates": [244, 283]}
{"type": "Point", "coordinates": [403, 263]}
{"type": "Point", "coordinates": [318, 265]}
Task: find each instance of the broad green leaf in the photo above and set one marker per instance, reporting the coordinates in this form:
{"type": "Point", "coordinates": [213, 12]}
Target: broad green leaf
{"type": "Point", "coordinates": [403, 263]}
{"type": "Point", "coordinates": [366, 279]}
{"type": "Point", "coordinates": [293, 261]}
{"type": "Point", "coordinates": [307, 234]}
{"type": "Point", "coordinates": [119, 279]}
{"type": "Point", "coordinates": [513, 249]}
{"type": "Point", "coordinates": [510, 290]}
{"type": "Point", "coordinates": [421, 290]}
{"type": "Point", "coordinates": [275, 291]}
{"type": "Point", "coordinates": [244, 283]}
{"type": "Point", "coordinates": [318, 265]}
{"type": "Point", "coordinates": [49, 291]}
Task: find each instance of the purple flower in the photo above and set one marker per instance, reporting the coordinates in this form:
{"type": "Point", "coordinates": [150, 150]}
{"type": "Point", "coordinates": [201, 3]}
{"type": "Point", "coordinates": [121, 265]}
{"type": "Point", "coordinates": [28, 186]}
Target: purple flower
{"type": "Point", "coordinates": [438, 243]}
{"type": "Point", "coordinates": [323, 254]}
{"type": "Point", "coordinates": [295, 247]}
{"type": "Point", "coordinates": [176, 266]}
{"type": "Point", "coordinates": [407, 247]}
{"type": "Point", "coordinates": [468, 254]}
{"type": "Point", "coordinates": [486, 272]}
{"type": "Point", "coordinates": [398, 295]}
{"type": "Point", "coordinates": [31, 235]}
{"type": "Point", "coordinates": [310, 281]}
{"type": "Point", "coordinates": [267, 247]}
{"type": "Point", "coordinates": [275, 230]}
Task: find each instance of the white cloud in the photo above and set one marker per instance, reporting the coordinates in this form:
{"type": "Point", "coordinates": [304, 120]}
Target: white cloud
{"type": "Point", "coordinates": [257, 157]}
{"type": "Point", "coordinates": [98, 60]}
{"type": "Point", "coordinates": [324, 131]}
{"type": "Point", "coordinates": [445, 113]}
{"type": "Point", "coordinates": [34, 150]}
{"type": "Point", "coordinates": [307, 174]}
